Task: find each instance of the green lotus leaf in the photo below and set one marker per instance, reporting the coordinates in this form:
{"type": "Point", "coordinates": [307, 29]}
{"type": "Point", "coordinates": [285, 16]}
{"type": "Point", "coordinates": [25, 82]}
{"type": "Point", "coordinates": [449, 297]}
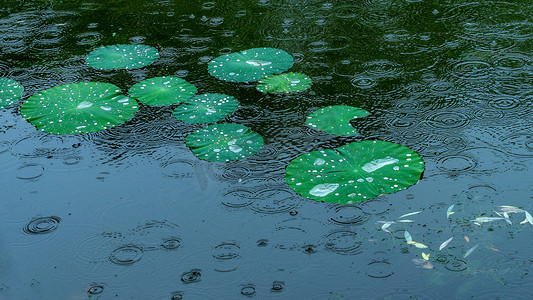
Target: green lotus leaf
{"type": "Point", "coordinates": [355, 172]}
{"type": "Point", "coordinates": [250, 65]}
{"type": "Point", "coordinates": [78, 108]}
{"type": "Point", "coordinates": [10, 92]}
{"type": "Point", "coordinates": [335, 119]}
{"type": "Point", "coordinates": [122, 57]}
{"type": "Point", "coordinates": [284, 83]}
{"type": "Point", "coordinates": [162, 90]}
{"type": "Point", "coordinates": [206, 108]}
{"type": "Point", "coordinates": [224, 142]}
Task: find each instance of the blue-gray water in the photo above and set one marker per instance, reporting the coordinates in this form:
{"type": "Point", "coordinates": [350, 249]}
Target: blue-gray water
{"type": "Point", "coordinates": [131, 213]}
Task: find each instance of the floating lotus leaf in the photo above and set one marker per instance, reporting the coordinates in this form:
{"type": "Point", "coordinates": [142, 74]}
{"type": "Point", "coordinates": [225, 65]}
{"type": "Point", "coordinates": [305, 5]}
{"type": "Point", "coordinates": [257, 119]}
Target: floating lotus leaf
{"type": "Point", "coordinates": [78, 108]}
{"type": "Point", "coordinates": [355, 172]}
{"type": "Point", "coordinates": [335, 119]}
{"type": "Point", "coordinates": [206, 108]}
{"type": "Point", "coordinates": [162, 90]}
{"type": "Point", "coordinates": [10, 92]}
{"type": "Point", "coordinates": [224, 142]}
{"type": "Point", "coordinates": [122, 57]}
{"type": "Point", "coordinates": [284, 83]}
{"type": "Point", "coordinates": [250, 65]}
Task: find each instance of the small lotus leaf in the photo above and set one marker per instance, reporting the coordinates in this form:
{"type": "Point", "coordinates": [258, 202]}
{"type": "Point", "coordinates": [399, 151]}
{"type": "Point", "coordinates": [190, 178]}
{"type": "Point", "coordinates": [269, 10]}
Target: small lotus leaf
{"type": "Point", "coordinates": [250, 65]}
{"type": "Point", "coordinates": [224, 142]}
{"type": "Point", "coordinates": [162, 90]}
{"type": "Point", "coordinates": [335, 119]}
{"type": "Point", "coordinates": [354, 172]}
{"type": "Point", "coordinates": [10, 92]}
{"type": "Point", "coordinates": [206, 108]}
{"type": "Point", "coordinates": [284, 83]}
{"type": "Point", "coordinates": [78, 108]}
{"type": "Point", "coordinates": [122, 57]}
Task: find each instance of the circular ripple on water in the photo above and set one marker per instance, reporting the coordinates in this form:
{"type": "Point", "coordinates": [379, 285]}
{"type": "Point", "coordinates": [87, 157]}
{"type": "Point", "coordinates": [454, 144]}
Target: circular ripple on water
{"type": "Point", "coordinates": [481, 194]}
{"type": "Point", "coordinates": [488, 115]}
{"type": "Point", "coordinates": [234, 172]}
{"type": "Point", "coordinates": [375, 14]}
{"type": "Point", "coordinates": [153, 234]}
{"type": "Point", "coordinates": [504, 103]}
{"type": "Point", "coordinates": [402, 122]}
{"type": "Point", "coordinates": [297, 233]}
{"type": "Point", "coordinates": [191, 276]}
{"type": "Point", "coordinates": [408, 106]}
{"type": "Point", "coordinates": [277, 286]}
{"type": "Point", "coordinates": [347, 215]}
{"type": "Point", "coordinates": [376, 206]}
{"type": "Point", "coordinates": [247, 114]}
{"type": "Point", "coordinates": [95, 289]}
{"type": "Point", "coordinates": [519, 144]}
{"type": "Point", "coordinates": [471, 70]}
{"type": "Point", "coordinates": [343, 242]}
{"type": "Point", "coordinates": [363, 82]}
{"type": "Point", "coordinates": [72, 160]}
{"type": "Point", "coordinates": [456, 164]}
{"type": "Point", "coordinates": [333, 43]}
{"type": "Point", "coordinates": [248, 290]}
{"type": "Point", "coordinates": [30, 171]}
{"type": "Point", "coordinates": [42, 225]}
{"type": "Point", "coordinates": [488, 159]}
{"type": "Point", "coordinates": [179, 168]}
{"type": "Point", "coordinates": [227, 257]}
{"type": "Point", "coordinates": [510, 271]}
{"type": "Point", "coordinates": [447, 120]}
{"type": "Point", "coordinates": [510, 61]}
{"type": "Point", "coordinates": [452, 263]}
{"type": "Point", "coordinates": [42, 145]}
{"type": "Point", "coordinates": [178, 295]}
{"type": "Point", "coordinates": [379, 269]}
{"type": "Point", "coordinates": [286, 30]}
{"type": "Point", "coordinates": [275, 200]}
{"type": "Point", "coordinates": [126, 255]}
{"type": "Point", "coordinates": [88, 38]}
{"type": "Point", "coordinates": [382, 69]}
{"type": "Point", "coordinates": [238, 197]}
{"type": "Point", "coordinates": [419, 293]}
{"type": "Point", "coordinates": [442, 87]}
{"type": "Point", "coordinates": [171, 243]}
{"type": "Point", "coordinates": [493, 12]}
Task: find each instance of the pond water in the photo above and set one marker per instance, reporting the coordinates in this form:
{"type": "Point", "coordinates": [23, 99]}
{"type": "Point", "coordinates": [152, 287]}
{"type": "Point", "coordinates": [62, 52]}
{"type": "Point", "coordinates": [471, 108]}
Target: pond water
{"type": "Point", "coordinates": [131, 213]}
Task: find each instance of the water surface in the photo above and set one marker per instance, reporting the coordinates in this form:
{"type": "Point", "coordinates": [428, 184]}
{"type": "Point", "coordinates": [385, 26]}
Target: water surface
{"type": "Point", "coordinates": [131, 213]}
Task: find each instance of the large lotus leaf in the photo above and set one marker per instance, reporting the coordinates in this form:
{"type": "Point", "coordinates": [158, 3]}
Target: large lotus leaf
{"type": "Point", "coordinates": [354, 172]}
{"type": "Point", "coordinates": [10, 91]}
{"type": "Point", "coordinates": [78, 108]}
{"type": "Point", "coordinates": [122, 57]}
{"type": "Point", "coordinates": [206, 108]}
{"type": "Point", "coordinates": [335, 119]}
{"type": "Point", "coordinates": [250, 65]}
{"type": "Point", "coordinates": [162, 90]}
{"type": "Point", "coordinates": [224, 142]}
{"type": "Point", "coordinates": [284, 83]}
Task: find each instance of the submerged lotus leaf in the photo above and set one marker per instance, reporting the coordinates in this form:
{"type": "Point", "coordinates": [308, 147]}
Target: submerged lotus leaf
{"type": "Point", "coordinates": [335, 119]}
{"type": "Point", "coordinates": [284, 83]}
{"type": "Point", "coordinates": [250, 65]}
{"type": "Point", "coordinates": [355, 172]}
{"type": "Point", "coordinates": [224, 142]}
{"type": "Point", "coordinates": [10, 92]}
{"type": "Point", "coordinates": [206, 108]}
{"type": "Point", "coordinates": [122, 57]}
{"type": "Point", "coordinates": [162, 90]}
{"type": "Point", "coordinates": [78, 108]}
